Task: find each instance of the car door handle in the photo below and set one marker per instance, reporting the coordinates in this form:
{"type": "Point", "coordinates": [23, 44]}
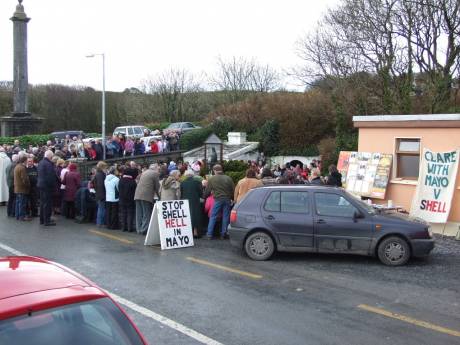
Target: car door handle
{"type": "Point", "coordinates": [321, 221]}
{"type": "Point", "coordinates": [270, 217]}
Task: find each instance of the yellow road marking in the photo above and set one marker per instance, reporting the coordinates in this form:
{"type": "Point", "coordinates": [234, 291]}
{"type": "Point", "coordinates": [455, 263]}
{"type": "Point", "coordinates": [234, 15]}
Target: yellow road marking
{"type": "Point", "coordinates": [112, 237]}
{"type": "Point", "coordinates": [408, 319]}
{"type": "Point", "coordinates": [224, 268]}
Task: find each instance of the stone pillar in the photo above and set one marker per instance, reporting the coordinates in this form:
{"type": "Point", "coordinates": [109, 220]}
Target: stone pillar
{"type": "Point", "coordinates": [20, 76]}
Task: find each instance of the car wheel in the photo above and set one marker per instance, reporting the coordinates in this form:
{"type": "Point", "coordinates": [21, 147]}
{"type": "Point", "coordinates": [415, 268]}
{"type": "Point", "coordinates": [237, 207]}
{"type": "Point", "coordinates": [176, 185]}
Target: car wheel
{"type": "Point", "coordinates": [394, 251]}
{"type": "Point", "coordinates": [259, 246]}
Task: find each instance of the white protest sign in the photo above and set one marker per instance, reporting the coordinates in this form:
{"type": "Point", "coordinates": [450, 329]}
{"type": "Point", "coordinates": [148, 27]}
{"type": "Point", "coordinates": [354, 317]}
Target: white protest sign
{"type": "Point", "coordinates": [170, 225]}
{"type": "Point", "coordinates": [436, 184]}
{"type": "Point", "coordinates": [153, 233]}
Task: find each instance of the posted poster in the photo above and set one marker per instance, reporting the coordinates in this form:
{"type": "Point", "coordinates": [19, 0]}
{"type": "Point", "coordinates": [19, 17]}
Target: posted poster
{"type": "Point", "coordinates": [365, 173]}
{"type": "Point", "coordinates": [170, 225]}
{"type": "Point", "coordinates": [436, 184]}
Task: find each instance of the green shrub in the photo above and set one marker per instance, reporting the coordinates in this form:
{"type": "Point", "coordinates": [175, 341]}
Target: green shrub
{"type": "Point", "coordinates": [26, 140]}
{"type": "Point", "coordinates": [157, 125]}
{"type": "Point", "coordinates": [93, 135]}
{"type": "Point", "coordinates": [221, 127]}
{"type": "Point", "coordinates": [194, 139]}
{"type": "Point", "coordinates": [236, 175]}
{"type": "Point", "coordinates": [236, 166]}
{"type": "Point", "coordinates": [268, 136]}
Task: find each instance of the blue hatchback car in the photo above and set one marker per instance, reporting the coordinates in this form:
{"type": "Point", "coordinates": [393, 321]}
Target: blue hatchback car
{"type": "Point", "coordinates": [324, 220]}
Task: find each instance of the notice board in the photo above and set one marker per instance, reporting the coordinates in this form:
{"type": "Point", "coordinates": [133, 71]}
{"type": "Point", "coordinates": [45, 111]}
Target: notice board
{"type": "Point", "coordinates": [365, 173]}
{"type": "Point", "coordinates": [170, 225]}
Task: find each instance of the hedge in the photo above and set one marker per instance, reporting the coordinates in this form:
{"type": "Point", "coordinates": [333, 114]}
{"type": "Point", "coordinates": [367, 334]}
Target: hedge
{"type": "Point", "coordinates": [236, 175]}
{"type": "Point", "coordinates": [194, 139]}
{"type": "Point", "coordinates": [26, 140]}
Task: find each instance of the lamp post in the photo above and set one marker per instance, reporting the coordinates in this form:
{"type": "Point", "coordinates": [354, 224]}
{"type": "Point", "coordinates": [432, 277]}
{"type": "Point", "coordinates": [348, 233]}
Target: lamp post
{"type": "Point", "coordinates": [103, 101]}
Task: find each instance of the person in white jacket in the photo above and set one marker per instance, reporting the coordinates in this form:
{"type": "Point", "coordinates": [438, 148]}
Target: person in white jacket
{"type": "Point", "coordinates": [111, 198]}
{"type": "Point", "coordinates": [5, 162]}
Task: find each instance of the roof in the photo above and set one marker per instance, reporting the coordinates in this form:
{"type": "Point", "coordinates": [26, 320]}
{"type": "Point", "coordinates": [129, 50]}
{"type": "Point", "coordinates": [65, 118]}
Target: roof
{"type": "Point", "coordinates": [213, 139]}
{"type": "Point", "coordinates": [420, 117]}
{"type": "Point", "coordinates": [411, 121]}
{"type": "Point", "coordinates": [33, 283]}
{"type": "Point", "coordinates": [302, 186]}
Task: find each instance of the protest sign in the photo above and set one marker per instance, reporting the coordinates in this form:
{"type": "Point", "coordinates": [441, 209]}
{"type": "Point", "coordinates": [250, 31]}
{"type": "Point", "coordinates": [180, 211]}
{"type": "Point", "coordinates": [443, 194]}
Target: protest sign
{"type": "Point", "coordinates": [436, 184]}
{"type": "Point", "coordinates": [170, 225]}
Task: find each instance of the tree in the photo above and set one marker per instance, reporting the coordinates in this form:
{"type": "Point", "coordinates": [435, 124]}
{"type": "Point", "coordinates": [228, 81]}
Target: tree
{"type": "Point", "coordinates": [239, 77]}
{"type": "Point", "coordinates": [173, 90]}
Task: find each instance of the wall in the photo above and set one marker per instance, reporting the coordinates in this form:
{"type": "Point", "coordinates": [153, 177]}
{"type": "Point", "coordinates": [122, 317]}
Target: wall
{"type": "Point", "coordinates": [436, 139]}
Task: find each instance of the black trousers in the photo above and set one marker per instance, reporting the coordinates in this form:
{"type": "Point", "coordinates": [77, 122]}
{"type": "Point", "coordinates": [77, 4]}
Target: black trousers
{"type": "Point", "coordinates": [112, 215]}
{"type": "Point", "coordinates": [33, 203]}
{"type": "Point", "coordinates": [46, 204]}
{"type": "Point", "coordinates": [127, 213]}
{"type": "Point", "coordinates": [11, 203]}
{"type": "Point", "coordinates": [68, 209]}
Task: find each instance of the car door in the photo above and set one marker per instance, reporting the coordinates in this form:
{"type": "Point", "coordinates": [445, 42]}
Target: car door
{"type": "Point", "coordinates": [340, 226]}
{"type": "Point", "coordinates": [288, 214]}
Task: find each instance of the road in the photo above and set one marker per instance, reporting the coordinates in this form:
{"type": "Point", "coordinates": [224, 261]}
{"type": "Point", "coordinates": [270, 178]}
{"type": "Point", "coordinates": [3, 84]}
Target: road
{"type": "Point", "coordinates": [212, 294]}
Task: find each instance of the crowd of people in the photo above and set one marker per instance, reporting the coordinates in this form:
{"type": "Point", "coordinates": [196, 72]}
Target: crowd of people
{"type": "Point", "coordinates": [92, 149]}
{"type": "Point", "coordinates": [123, 196]}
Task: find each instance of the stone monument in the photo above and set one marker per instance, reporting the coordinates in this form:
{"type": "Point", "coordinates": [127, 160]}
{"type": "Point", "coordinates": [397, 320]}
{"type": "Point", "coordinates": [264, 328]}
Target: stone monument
{"type": "Point", "coordinates": [20, 121]}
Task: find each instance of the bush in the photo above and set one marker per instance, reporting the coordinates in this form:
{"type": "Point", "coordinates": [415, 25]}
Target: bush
{"type": "Point", "coordinates": [236, 166]}
{"type": "Point", "coordinates": [236, 175]}
{"type": "Point", "coordinates": [194, 139]}
{"type": "Point", "coordinates": [26, 140]}
{"type": "Point", "coordinates": [269, 138]}
{"type": "Point", "coordinates": [93, 135]}
{"type": "Point", "coordinates": [329, 154]}
{"type": "Point", "coordinates": [157, 125]}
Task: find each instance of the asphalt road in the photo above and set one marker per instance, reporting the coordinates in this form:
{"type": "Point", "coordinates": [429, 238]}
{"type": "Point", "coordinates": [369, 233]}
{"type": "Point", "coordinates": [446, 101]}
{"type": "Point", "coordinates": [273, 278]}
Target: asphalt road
{"type": "Point", "coordinates": [213, 294]}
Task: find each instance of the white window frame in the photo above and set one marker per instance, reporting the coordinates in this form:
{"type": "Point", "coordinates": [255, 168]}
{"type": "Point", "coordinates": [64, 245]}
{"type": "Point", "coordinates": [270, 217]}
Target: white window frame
{"type": "Point", "coordinates": [394, 178]}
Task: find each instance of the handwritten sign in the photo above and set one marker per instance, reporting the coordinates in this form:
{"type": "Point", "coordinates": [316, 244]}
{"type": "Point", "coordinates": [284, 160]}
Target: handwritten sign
{"type": "Point", "coordinates": [170, 225]}
{"type": "Point", "coordinates": [436, 184]}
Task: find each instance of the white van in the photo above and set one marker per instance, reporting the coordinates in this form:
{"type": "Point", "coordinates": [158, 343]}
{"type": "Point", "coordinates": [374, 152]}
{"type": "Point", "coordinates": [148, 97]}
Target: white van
{"type": "Point", "coordinates": [130, 131]}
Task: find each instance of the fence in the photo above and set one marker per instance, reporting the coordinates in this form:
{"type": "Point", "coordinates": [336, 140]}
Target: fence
{"type": "Point", "coordinates": [85, 167]}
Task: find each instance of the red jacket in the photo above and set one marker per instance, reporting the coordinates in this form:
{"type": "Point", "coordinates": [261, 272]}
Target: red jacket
{"type": "Point", "coordinates": [72, 184]}
{"type": "Point", "coordinates": [153, 147]}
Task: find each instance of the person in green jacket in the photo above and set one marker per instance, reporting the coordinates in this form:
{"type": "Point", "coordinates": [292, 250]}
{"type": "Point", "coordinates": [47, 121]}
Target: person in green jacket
{"type": "Point", "coordinates": [222, 187]}
{"type": "Point", "coordinates": [191, 189]}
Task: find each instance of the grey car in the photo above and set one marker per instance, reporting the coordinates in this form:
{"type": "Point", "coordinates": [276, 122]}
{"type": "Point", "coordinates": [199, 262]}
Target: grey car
{"type": "Point", "coordinates": [183, 127]}
{"type": "Point", "coordinates": [323, 220]}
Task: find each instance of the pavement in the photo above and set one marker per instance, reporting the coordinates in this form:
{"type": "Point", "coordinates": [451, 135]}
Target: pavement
{"type": "Point", "coordinates": [213, 294]}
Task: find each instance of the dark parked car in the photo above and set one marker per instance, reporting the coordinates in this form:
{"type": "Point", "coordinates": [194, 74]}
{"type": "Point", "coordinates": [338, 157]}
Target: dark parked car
{"type": "Point", "coordinates": [183, 127]}
{"type": "Point", "coordinates": [323, 220]}
{"type": "Point", "coordinates": [63, 134]}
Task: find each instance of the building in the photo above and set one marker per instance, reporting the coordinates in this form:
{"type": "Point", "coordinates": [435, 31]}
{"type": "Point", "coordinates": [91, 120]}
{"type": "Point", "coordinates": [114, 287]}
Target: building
{"type": "Point", "coordinates": [236, 148]}
{"type": "Point", "coordinates": [405, 136]}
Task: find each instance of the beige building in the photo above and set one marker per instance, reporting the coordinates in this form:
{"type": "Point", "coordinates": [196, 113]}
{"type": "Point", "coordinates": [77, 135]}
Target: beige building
{"type": "Point", "coordinates": [404, 136]}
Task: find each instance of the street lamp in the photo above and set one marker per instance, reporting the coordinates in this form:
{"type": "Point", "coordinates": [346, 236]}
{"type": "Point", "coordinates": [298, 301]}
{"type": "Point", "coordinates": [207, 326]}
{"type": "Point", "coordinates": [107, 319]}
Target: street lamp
{"type": "Point", "coordinates": [103, 100]}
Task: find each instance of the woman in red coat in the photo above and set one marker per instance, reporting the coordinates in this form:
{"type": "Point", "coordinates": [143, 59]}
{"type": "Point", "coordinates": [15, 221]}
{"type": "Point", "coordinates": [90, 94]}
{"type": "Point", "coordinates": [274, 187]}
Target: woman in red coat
{"type": "Point", "coordinates": [72, 184]}
{"type": "Point", "coordinates": [154, 147]}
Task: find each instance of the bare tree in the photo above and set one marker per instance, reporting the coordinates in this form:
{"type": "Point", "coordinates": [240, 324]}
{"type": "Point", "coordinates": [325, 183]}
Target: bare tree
{"type": "Point", "coordinates": [391, 39]}
{"type": "Point", "coordinates": [240, 76]}
{"type": "Point", "coordinates": [172, 89]}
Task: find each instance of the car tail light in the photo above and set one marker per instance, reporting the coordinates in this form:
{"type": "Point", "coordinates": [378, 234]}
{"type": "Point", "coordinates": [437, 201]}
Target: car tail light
{"type": "Point", "coordinates": [233, 216]}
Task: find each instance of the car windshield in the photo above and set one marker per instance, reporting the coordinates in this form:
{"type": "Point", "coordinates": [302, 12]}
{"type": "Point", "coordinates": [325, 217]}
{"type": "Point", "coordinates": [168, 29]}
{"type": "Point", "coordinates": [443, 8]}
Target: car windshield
{"type": "Point", "coordinates": [174, 125]}
{"type": "Point", "coordinates": [93, 322]}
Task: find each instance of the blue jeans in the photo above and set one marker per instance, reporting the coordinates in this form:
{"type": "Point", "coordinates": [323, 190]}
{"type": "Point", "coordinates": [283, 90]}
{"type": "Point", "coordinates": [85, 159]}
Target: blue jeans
{"type": "Point", "coordinates": [100, 217]}
{"type": "Point", "coordinates": [225, 206]}
{"type": "Point", "coordinates": [21, 203]}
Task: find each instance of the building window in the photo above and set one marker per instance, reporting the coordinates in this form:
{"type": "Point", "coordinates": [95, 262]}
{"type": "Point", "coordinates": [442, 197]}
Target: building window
{"type": "Point", "coordinates": [407, 158]}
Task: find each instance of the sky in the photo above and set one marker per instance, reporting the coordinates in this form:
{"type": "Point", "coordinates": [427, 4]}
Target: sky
{"type": "Point", "coordinates": [144, 38]}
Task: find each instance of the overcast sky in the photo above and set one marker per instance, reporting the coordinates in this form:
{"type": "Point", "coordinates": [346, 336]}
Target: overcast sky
{"type": "Point", "coordinates": [142, 38]}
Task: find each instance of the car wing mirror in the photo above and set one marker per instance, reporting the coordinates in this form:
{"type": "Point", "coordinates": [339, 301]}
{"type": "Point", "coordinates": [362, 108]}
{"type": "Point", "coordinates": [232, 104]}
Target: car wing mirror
{"type": "Point", "coordinates": [357, 215]}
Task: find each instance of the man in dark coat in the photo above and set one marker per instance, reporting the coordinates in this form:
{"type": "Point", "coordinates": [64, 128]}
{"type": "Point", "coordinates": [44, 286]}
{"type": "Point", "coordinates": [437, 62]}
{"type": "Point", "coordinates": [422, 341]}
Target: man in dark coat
{"type": "Point", "coordinates": [46, 183]}
{"type": "Point", "coordinates": [32, 172]}
{"type": "Point", "coordinates": [191, 189]}
{"type": "Point", "coordinates": [127, 207]}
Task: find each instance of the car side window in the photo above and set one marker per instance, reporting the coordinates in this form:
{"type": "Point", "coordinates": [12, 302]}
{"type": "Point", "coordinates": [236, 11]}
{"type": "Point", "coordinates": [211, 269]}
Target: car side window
{"type": "Point", "coordinates": [273, 202]}
{"type": "Point", "coordinates": [295, 202]}
{"type": "Point", "coordinates": [188, 125]}
{"type": "Point", "coordinates": [138, 130]}
{"type": "Point", "coordinates": [329, 204]}
{"type": "Point", "coordinates": [130, 131]}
